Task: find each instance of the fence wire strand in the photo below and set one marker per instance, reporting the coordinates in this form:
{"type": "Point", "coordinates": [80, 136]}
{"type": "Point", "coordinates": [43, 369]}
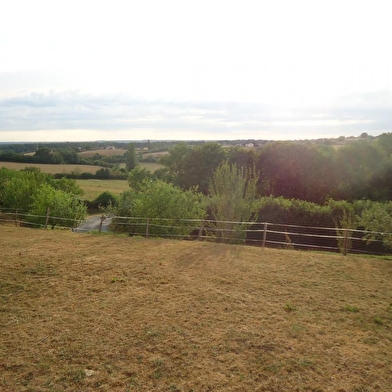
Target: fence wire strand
{"type": "Point", "coordinates": [244, 232]}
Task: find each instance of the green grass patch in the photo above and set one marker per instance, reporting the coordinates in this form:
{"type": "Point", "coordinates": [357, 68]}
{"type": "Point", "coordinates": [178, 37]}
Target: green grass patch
{"type": "Point", "coordinates": [93, 188]}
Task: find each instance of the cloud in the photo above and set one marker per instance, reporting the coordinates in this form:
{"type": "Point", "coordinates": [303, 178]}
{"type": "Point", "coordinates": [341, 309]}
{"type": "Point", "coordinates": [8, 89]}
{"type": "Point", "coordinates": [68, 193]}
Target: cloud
{"type": "Point", "coordinates": [116, 115]}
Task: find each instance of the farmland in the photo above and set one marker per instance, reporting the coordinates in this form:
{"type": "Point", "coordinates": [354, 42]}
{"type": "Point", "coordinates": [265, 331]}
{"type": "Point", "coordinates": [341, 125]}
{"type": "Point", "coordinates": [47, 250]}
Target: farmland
{"type": "Point", "coordinates": [89, 312]}
{"type": "Point", "coordinates": [67, 168]}
{"type": "Point", "coordinates": [93, 188]}
{"type": "Point", "coordinates": [51, 169]}
{"type": "Point", "coordinates": [104, 152]}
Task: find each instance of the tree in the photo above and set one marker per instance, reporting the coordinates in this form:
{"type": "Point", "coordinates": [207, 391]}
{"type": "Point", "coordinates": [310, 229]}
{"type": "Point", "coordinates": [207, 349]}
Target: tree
{"type": "Point", "coordinates": [137, 176]}
{"type": "Point", "coordinates": [19, 190]}
{"type": "Point", "coordinates": [297, 171]}
{"type": "Point", "coordinates": [190, 167]}
{"type": "Point", "coordinates": [170, 209]}
{"type": "Point", "coordinates": [66, 210]}
{"type": "Point", "coordinates": [68, 185]}
{"type": "Point", "coordinates": [377, 219]}
{"type": "Point", "coordinates": [232, 199]}
{"type": "Point", "coordinates": [357, 164]}
{"type": "Point", "coordinates": [45, 155]}
{"type": "Point", "coordinates": [130, 157]}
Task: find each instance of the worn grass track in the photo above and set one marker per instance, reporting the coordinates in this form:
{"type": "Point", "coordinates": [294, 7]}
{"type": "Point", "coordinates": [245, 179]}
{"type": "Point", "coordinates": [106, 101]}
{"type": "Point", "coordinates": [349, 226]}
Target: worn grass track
{"type": "Point", "coordinates": [82, 312]}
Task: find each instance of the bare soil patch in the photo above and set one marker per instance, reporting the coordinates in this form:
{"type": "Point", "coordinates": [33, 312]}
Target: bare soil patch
{"type": "Point", "coordinates": [82, 312]}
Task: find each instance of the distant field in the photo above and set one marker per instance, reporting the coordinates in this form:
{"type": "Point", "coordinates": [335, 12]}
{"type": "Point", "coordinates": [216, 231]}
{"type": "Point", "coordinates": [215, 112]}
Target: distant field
{"type": "Point", "coordinates": [104, 152]}
{"type": "Point", "coordinates": [155, 154]}
{"type": "Point", "coordinates": [51, 169]}
{"type": "Point", "coordinates": [83, 312]}
{"type": "Point", "coordinates": [93, 188]}
{"type": "Point", "coordinates": [152, 166]}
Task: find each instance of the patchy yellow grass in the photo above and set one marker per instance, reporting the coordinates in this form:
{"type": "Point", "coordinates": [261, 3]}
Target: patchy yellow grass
{"type": "Point", "coordinates": [52, 169]}
{"type": "Point", "coordinates": [152, 166]}
{"type": "Point", "coordinates": [93, 188]}
{"type": "Point", "coordinates": [82, 312]}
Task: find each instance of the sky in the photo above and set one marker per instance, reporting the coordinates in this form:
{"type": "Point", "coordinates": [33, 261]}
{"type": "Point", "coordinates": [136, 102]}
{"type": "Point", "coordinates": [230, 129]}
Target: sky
{"type": "Point", "coordinates": [194, 70]}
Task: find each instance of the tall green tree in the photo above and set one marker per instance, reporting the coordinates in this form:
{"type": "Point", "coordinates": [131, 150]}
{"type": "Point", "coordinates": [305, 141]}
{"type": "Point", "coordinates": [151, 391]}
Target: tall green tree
{"type": "Point", "coordinates": [297, 170]}
{"type": "Point", "coordinates": [357, 164]}
{"type": "Point", "coordinates": [232, 199]}
{"type": "Point", "coordinates": [138, 176]}
{"type": "Point", "coordinates": [130, 157]}
{"type": "Point", "coordinates": [190, 167]}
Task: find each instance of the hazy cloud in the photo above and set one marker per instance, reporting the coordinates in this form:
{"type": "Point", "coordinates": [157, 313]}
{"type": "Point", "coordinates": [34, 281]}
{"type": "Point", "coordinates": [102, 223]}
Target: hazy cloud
{"type": "Point", "coordinates": [112, 113]}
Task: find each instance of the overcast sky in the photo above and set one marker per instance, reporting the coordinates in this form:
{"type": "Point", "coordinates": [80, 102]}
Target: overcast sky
{"type": "Point", "coordinates": [93, 70]}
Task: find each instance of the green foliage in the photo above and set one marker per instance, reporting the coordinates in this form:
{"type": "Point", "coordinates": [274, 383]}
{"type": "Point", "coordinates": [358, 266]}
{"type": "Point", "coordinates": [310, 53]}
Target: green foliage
{"type": "Point", "coordinates": [137, 176]}
{"type": "Point", "coordinates": [164, 204]}
{"type": "Point", "coordinates": [232, 199]}
{"type": "Point", "coordinates": [68, 185]}
{"type": "Point", "coordinates": [20, 187]}
{"type": "Point", "coordinates": [350, 308]}
{"type": "Point", "coordinates": [356, 164]}
{"type": "Point", "coordinates": [104, 174]}
{"type": "Point", "coordinates": [130, 157]}
{"type": "Point", "coordinates": [5, 176]}
{"type": "Point", "coordinates": [66, 210]}
{"type": "Point", "coordinates": [377, 219]}
{"type": "Point", "coordinates": [297, 171]}
{"type": "Point", "coordinates": [46, 155]}
{"type": "Point", "coordinates": [294, 212]}
{"type": "Point", "coordinates": [190, 167]}
{"type": "Point", "coordinates": [105, 199]}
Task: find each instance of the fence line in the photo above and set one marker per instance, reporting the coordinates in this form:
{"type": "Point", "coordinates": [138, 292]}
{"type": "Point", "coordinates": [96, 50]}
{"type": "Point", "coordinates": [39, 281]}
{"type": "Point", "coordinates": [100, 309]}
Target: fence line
{"type": "Point", "coordinates": [253, 233]}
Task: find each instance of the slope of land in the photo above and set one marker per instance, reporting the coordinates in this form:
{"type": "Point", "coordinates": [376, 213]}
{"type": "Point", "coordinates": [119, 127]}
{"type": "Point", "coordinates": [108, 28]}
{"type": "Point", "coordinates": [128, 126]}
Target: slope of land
{"type": "Point", "coordinates": [82, 312]}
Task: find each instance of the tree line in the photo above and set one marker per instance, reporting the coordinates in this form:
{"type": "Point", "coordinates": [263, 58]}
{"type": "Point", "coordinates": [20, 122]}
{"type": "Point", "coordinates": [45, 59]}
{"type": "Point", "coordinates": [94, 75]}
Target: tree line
{"type": "Point", "coordinates": [293, 170]}
{"type": "Point", "coordinates": [290, 183]}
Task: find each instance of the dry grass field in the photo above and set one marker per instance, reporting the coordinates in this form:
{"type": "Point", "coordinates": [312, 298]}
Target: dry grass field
{"type": "Point", "coordinates": [51, 169]}
{"type": "Point", "coordinates": [104, 152]}
{"type": "Point", "coordinates": [83, 312]}
{"type": "Point", "coordinates": [93, 188]}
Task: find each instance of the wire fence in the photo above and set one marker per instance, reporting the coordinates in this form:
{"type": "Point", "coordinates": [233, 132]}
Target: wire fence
{"type": "Point", "coordinates": [263, 234]}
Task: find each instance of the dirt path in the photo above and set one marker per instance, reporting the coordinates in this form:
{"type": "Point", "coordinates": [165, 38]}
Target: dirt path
{"type": "Point", "coordinates": [92, 223]}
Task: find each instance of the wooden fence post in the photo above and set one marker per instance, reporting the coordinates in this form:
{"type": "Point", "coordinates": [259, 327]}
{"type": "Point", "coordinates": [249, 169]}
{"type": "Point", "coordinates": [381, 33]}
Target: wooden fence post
{"type": "Point", "coordinates": [201, 230]}
{"type": "Point", "coordinates": [47, 217]}
{"type": "Point", "coordinates": [345, 242]}
{"type": "Point", "coordinates": [264, 234]}
{"type": "Point", "coordinates": [100, 223]}
{"type": "Point", "coordinates": [147, 223]}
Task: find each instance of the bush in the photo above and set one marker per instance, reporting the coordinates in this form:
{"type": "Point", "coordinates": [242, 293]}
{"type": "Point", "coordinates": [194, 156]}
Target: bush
{"type": "Point", "coordinates": [167, 206]}
{"type": "Point", "coordinates": [105, 199]}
